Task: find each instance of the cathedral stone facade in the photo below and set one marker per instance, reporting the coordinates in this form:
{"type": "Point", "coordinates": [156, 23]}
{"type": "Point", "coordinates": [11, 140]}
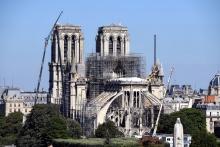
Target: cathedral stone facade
{"type": "Point", "coordinates": [111, 85]}
{"type": "Point", "coordinates": [67, 69]}
{"type": "Point", "coordinates": [112, 40]}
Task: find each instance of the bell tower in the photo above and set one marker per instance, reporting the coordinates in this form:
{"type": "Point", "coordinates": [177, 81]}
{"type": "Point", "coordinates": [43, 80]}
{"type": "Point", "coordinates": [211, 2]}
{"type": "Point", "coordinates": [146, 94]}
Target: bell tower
{"type": "Point", "coordinates": [67, 69]}
{"type": "Point", "coordinates": [112, 40]}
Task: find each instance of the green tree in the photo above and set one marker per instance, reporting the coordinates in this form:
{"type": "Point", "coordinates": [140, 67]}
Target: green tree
{"type": "Point", "coordinates": [194, 123]}
{"type": "Point", "coordinates": [43, 124]}
{"type": "Point", "coordinates": [74, 129]}
{"type": "Point", "coordinates": [108, 126]}
{"type": "Point", "coordinates": [10, 126]}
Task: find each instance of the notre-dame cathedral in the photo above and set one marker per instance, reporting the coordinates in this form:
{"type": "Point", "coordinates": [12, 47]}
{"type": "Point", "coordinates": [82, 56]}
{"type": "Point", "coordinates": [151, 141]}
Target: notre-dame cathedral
{"type": "Point", "coordinates": [109, 84]}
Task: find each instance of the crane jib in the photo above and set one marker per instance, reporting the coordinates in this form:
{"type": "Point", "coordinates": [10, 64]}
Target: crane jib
{"type": "Point", "coordinates": [44, 52]}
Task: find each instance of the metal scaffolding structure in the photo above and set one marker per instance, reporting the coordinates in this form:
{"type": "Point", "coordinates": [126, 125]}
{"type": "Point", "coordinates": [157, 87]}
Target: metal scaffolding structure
{"type": "Point", "coordinates": [99, 69]}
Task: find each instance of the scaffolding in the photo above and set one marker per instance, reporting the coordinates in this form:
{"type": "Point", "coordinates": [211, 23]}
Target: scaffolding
{"type": "Point", "coordinates": [99, 69]}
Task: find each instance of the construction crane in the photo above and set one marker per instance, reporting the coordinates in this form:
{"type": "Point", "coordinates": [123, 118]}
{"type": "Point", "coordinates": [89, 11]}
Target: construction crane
{"type": "Point", "coordinates": [44, 52]}
{"type": "Point", "coordinates": [161, 105]}
{"type": "Point", "coordinates": [64, 68]}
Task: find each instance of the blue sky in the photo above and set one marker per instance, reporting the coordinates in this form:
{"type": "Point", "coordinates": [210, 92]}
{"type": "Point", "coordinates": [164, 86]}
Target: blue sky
{"type": "Point", "coordinates": [188, 35]}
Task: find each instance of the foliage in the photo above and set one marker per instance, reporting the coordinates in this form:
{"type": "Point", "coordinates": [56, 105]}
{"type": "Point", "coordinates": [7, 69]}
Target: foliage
{"type": "Point", "coordinates": [194, 123]}
{"type": "Point", "coordinates": [108, 126]}
{"type": "Point", "coordinates": [107, 139]}
{"type": "Point", "coordinates": [96, 142]}
{"type": "Point", "coordinates": [10, 126]}
{"type": "Point", "coordinates": [204, 139]}
{"type": "Point", "coordinates": [42, 125]}
{"type": "Point", "coordinates": [192, 120]}
{"type": "Point", "coordinates": [74, 128]}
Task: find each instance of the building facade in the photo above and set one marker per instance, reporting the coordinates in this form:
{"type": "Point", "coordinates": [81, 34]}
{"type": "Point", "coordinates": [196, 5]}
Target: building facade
{"type": "Point", "coordinates": [181, 91]}
{"type": "Point", "coordinates": [111, 85]}
{"type": "Point", "coordinates": [117, 86]}
{"type": "Point", "coordinates": [112, 59]}
{"type": "Point", "coordinates": [168, 138]}
{"type": "Point", "coordinates": [176, 104]}
{"type": "Point", "coordinates": [212, 113]}
{"type": "Point", "coordinates": [67, 83]}
{"type": "Point", "coordinates": [125, 101]}
{"type": "Point", "coordinates": [16, 100]}
{"type": "Point", "coordinates": [112, 40]}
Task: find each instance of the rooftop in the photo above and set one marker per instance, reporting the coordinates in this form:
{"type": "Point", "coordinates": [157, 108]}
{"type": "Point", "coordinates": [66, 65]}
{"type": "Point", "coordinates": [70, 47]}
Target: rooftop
{"type": "Point", "coordinates": [116, 27]}
{"type": "Point", "coordinates": [209, 106]}
{"type": "Point", "coordinates": [215, 82]}
{"type": "Point", "coordinates": [68, 26]}
{"type": "Point", "coordinates": [129, 79]}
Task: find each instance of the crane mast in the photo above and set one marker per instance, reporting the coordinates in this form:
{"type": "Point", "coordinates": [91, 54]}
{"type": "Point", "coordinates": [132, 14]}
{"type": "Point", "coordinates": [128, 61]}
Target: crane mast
{"type": "Point", "coordinates": [43, 58]}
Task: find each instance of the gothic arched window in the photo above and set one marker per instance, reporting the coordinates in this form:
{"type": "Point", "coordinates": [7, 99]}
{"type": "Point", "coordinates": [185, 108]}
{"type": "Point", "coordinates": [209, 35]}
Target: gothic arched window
{"type": "Point", "coordinates": [65, 47]}
{"type": "Point", "coordinates": [73, 48]}
{"type": "Point", "coordinates": [118, 46]}
{"type": "Point", "coordinates": [111, 46]}
{"type": "Point", "coordinates": [53, 52]}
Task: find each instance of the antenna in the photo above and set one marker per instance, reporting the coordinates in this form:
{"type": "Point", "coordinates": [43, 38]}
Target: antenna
{"type": "Point", "coordinates": [155, 49]}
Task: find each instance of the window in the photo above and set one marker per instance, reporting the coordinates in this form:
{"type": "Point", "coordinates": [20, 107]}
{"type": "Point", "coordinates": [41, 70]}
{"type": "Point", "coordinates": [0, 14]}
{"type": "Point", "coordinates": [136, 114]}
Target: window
{"type": "Point", "coordinates": [137, 102]}
{"type": "Point", "coordinates": [10, 110]}
{"type": "Point", "coordinates": [118, 46]}
{"type": "Point", "coordinates": [18, 105]}
{"type": "Point", "coordinates": [73, 48]}
{"type": "Point", "coordinates": [111, 46]}
{"type": "Point", "coordinates": [14, 105]}
{"type": "Point", "coordinates": [10, 105]}
{"type": "Point", "coordinates": [25, 110]}
{"type": "Point", "coordinates": [65, 47]}
{"type": "Point", "coordinates": [53, 52]}
{"type": "Point", "coordinates": [19, 110]}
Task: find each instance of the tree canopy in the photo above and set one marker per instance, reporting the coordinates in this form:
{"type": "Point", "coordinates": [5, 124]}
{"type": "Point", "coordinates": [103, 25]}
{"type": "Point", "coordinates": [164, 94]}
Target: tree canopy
{"type": "Point", "coordinates": [194, 123]}
{"type": "Point", "coordinates": [108, 129]}
{"type": "Point", "coordinates": [10, 126]}
{"type": "Point", "coordinates": [74, 129]}
{"type": "Point", "coordinates": [43, 124]}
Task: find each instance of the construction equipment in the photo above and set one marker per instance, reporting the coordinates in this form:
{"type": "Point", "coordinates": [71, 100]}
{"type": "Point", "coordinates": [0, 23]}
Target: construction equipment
{"type": "Point", "coordinates": [65, 76]}
{"type": "Point", "coordinates": [161, 105]}
{"type": "Point", "coordinates": [44, 52]}
{"type": "Point", "coordinates": [151, 79]}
